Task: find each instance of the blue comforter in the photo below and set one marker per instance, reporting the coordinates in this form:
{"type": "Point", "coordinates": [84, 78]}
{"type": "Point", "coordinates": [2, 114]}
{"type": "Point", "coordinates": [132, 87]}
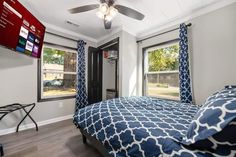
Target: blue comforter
{"type": "Point", "coordinates": [140, 126]}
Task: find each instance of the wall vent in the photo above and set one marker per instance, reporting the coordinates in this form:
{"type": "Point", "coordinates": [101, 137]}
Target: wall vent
{"type": "Point", "coordinates": [72, 23]}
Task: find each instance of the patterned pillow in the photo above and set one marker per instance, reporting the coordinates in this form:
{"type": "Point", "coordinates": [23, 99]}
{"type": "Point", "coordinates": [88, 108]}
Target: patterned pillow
{"type": "Point", "coordinates": [226, 139]}
{"type": "Point", "coordinates": [229, 91]}
{"type": "Point", "coordinates": [230, 86]}
{"type": "Point", "coordinates": [218, 111]}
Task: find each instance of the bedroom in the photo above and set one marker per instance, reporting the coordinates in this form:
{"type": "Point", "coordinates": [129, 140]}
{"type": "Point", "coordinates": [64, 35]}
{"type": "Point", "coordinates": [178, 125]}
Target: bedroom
{"type": "Point", "coordinates": [62, 80]}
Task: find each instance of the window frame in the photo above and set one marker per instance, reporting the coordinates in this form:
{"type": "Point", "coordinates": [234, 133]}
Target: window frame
{"type": "Point", "coordinates": [162, 44]}
{"type": "Point", "coordinates": [40, 96]}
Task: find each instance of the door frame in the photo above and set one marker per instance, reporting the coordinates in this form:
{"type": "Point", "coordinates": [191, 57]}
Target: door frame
{"type": "Point", "coordinates": [106, 45]}
{"type": "Point", "coordinates": [143, 59]}
{"type": "Point", "coordinates": [88, 69]}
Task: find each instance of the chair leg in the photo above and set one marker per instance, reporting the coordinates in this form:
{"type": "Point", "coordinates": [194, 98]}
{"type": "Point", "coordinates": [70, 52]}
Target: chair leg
{"type": "Point", "coordinates": [84, 139]}
{"type": "Point", "coordinates": [1, 150]}
{"type": "Point", "coordinates": [27, 114]}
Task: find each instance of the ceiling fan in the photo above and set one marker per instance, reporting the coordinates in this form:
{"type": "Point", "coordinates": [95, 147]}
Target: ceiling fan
{"type": "Point", "coordinates": [107, 10]}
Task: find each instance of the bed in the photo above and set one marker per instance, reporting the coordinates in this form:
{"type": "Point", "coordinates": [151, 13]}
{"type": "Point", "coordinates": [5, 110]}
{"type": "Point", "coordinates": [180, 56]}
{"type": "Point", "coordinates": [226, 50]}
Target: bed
{"type": "Point", "coordinates": [151, 127]}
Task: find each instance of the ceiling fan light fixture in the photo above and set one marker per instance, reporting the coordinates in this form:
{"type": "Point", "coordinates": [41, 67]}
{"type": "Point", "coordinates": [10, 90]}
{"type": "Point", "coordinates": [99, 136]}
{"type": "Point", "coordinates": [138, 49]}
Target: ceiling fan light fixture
{"type": "Point", "coordinates": [104, 8]}
{"type": "Point", "coordinates": [107, 10]}
{"type": "Point", "coordinates": [107, 13]}
{"type": "Point", "coordinates": [108, 18]}
{"type": "Point", "coordinates": [112, 12]}
{"type": "Point", "coordinates": [100, 15]}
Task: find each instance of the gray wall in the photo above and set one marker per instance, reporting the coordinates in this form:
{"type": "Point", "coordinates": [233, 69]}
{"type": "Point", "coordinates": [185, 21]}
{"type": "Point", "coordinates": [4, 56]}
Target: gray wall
{"type": "Point", "coordinates": [212, 51]}
{"type": "Point", "coordinates": [18, 83]}
{"type": "Point", "coordinates": [129, 62]}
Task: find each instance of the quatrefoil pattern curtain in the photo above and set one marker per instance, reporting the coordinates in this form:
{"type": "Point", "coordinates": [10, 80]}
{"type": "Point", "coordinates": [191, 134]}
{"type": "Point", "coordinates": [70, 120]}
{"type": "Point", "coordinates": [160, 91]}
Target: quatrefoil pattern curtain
{"type": "Point", "coordinates": [81, 96]}
{"type": "Point", "coordinates": [184, 72]}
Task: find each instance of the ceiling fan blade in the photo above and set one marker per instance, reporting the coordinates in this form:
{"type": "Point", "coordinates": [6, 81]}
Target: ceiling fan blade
{"type": "Point", "coordinates": [129, 12]}
{"type": "Point", "coordinates": [83, 8]}
{"type": "Point", "coordinates": [107, 24]}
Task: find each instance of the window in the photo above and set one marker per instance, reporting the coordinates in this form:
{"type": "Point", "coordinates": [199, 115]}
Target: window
{"type": "Point", "coordinates": [58, 73]}
{"type": "Point", "coordinates": [161, 75]}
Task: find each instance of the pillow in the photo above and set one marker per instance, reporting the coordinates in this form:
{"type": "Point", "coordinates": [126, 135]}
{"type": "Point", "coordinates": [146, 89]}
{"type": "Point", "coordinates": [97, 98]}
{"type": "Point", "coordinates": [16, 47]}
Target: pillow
{"type": "Point", "coordinates": [230, 86]}
{"type": "Point", "coordinates": [229, 91]}
{"type": "Point", "coordinates": [217, 113]}
{"type": "Point", "coordinates": [226, 139]}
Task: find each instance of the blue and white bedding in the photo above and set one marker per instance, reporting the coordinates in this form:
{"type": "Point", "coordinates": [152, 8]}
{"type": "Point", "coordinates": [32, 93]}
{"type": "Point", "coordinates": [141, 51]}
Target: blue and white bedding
{"type": "Point", "coordinates": [145, 127]}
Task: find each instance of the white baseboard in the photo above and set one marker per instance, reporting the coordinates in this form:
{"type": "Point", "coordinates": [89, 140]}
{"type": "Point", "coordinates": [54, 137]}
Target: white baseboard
{"type": "Point", "coordinates": [32, 125]}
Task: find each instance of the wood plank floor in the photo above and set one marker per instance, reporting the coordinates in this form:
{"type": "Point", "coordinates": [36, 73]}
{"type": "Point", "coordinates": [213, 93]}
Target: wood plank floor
{"type": "Point", "coordinates": [60, 139]}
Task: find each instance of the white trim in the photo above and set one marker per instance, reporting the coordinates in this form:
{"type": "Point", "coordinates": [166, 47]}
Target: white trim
{"type": "Point", "coordinates": [58, 96]}
{"type": "Point", "coordinates": [163, 72]}
{"type": "Point", "coordinates": [31, 125]}
{"type": "Point", "coordinates": [59, 47]}
{"type": "Point", "coordinates": [71, 33]}
{"type": "Point", "coordinates": [186, 17]}
{"type": "Point", "coordinates": [161, 46]}
{"type": "Point", "coordinates": [183, 18]}
{"type": "Point", "coordinates": [173, 22]}
{"type": "Point", "coordinates": [59, 29]}
{"type": "Point", "coordinates": [58, 72]}
{"type": "Point", "coordinates": [113, 32]}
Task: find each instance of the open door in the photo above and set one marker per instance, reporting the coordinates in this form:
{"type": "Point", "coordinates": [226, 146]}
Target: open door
{"type": "Point", "coordinates": [94, 75]}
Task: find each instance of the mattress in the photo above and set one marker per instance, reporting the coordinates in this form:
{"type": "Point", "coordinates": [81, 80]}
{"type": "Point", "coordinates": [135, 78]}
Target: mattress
{"type": "Point", "coordinates": [140, 127]}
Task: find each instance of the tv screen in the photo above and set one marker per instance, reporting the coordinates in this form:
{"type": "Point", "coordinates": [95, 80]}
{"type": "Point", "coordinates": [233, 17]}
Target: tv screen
{"type": "Point", "coordinates": [19, 29]}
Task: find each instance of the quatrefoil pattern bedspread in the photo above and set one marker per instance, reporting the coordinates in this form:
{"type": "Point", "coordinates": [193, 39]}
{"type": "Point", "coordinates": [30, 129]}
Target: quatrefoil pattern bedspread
{"type": "Point", "coordinates": [141, 127]}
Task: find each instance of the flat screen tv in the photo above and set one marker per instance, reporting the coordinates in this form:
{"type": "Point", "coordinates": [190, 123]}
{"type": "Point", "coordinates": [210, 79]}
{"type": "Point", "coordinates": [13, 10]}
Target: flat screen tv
{"type": "Point", "coordinates": [19, 29]}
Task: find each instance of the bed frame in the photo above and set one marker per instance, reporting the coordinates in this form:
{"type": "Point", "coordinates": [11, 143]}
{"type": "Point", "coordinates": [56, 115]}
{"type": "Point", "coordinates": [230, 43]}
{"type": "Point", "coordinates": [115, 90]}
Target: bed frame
{"type": "Point", "coordinates": [95, 143]}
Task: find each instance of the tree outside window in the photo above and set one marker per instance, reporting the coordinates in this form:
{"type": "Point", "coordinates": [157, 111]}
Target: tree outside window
{"type": "Point", "coordinates": [58, 72]}
{"type": "Point", "coordinates": [161, 74]}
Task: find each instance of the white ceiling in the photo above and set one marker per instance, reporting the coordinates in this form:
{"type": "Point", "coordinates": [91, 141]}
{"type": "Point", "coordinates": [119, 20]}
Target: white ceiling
{"type": "Point", "coordinates": [157, 13]}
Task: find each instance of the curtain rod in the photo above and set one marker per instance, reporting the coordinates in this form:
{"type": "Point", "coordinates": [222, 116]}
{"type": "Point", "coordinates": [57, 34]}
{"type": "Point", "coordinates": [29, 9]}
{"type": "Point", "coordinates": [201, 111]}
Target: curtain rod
{"type": "Point", "coordinates": [188, 25]}
{"type": "Point", "coordinates": [63, 37]}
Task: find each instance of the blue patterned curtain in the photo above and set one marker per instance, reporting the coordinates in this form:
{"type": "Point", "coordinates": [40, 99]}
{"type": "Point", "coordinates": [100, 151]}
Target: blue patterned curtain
{"type": "Point", "coordinates": [184, 74]}
{"type": "Point", "coordinates": [81, 97]}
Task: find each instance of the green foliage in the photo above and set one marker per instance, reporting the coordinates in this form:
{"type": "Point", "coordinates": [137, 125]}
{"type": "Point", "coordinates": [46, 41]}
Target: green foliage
{"type": "Point", "coordinates": [164, 59]}
{"type": "Point", "coordinates": [53, 56]}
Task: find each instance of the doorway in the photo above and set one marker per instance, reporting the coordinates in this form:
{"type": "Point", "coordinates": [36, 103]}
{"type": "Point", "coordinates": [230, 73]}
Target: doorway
{"type": "Point", "coordinates": [95, 63]}
{"type": "Point", "coordinates": [110, 69]}
{"type": "Point", "coordinates": [103, 72]}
